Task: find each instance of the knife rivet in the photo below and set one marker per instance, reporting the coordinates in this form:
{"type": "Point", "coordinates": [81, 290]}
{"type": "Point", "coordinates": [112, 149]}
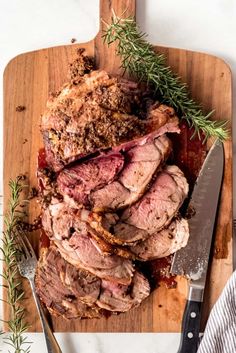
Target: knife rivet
{"type": "Point", "coordinates": [193, 314]}
{"type": "Point", "coordinates": [190, 335]}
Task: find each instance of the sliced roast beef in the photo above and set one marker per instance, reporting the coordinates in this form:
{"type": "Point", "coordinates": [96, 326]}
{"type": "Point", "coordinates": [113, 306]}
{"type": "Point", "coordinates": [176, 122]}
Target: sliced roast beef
{"type": "Point", "coordinates": [86, 255]}
{"type": "Point", "coordinates": [142, 161]}
{"type": "Point", "coordinates": [159, 205]}
{"type": "Point", "coordinates": [92, 183]}
{"type": "Point", "coordinates": [74, 240]}
{"type": "Point", "coordinates": [79, 181]}
{"type": "Point", "coordinates": [116, 298]}
{"type": "Point", "coordinates": [75, 293]}
{"type": "Point", "coordinates": [65, 290]}
{"type": "Point", "coordinates": [150, 214]}
{"type": "Point", "coordinates": [163, 243]}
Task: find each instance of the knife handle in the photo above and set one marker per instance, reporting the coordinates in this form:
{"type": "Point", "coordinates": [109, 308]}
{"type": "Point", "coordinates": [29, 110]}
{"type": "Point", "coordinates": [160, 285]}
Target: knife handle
{"type": "Point", "coordinates": [190, 327]}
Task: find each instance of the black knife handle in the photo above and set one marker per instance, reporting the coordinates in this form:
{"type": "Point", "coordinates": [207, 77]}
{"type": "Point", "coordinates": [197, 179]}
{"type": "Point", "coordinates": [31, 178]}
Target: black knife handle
{"type": "Point", "coordinates": [190, 327]}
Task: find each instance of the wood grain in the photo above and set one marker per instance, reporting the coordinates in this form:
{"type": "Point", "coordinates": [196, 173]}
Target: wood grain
{"type": "Point", "coordinates": [106, 57]}
{"type": "Point", "coordinates": [29, 78]}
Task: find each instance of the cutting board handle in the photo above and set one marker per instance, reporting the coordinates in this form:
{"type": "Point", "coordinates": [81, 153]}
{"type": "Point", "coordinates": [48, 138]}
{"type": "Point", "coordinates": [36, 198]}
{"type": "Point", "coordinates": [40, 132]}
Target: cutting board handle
{"type": "Point", "coordinates": [105, 57]}
{"type": "Point", "coordinates": [120, 7]}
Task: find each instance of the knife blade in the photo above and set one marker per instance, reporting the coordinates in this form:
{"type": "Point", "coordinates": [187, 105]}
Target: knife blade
{"type": "Point", "coordinates": [192, 260]}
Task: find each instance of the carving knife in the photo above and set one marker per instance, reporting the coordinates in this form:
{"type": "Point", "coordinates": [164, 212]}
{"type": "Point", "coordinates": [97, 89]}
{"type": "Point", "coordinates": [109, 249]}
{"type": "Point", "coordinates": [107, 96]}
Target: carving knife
{"type": "Point", "coordinates": [192, 261]}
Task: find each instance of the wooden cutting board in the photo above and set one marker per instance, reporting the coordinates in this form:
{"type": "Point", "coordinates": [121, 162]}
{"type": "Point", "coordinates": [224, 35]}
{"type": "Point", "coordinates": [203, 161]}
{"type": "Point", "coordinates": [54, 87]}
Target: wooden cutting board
{"type": "Point", "coordinates": [29, 78]}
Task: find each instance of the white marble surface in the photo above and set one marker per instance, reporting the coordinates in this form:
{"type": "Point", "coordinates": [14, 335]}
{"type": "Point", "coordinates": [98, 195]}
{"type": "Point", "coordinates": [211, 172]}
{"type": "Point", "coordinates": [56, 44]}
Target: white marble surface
{"type": "Point", "coordinates": [27, 25]}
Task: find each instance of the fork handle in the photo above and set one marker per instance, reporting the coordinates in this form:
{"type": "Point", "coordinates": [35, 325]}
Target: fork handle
{"type": "Point", "coordinates": [51, 342]}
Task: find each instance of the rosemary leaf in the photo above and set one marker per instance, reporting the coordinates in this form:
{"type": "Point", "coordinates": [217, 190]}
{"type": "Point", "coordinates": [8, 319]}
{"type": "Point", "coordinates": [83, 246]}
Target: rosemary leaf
{"type": "Point", "coordinates": [140, 60]}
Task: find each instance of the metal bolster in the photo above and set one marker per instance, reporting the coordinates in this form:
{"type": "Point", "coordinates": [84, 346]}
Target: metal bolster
{"type": "Point", "coordinates": [195, 293]}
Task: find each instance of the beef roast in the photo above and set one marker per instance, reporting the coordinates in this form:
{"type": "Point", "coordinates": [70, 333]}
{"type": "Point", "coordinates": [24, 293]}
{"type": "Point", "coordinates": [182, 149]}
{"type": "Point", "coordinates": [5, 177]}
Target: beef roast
{"type": "Point", "coordinates": [91, 115]}
{"type": "Point", "coordinates": [75, 299]}
{"type": "Point", "coordinates": [163, 243]}
{"type": "Point", "coordinates": [150, 214]}
{"type": "Point", "coordinates": [108, 182]}
{"type": "Point", "coordinates": [71, 235]}
{"type": "Point", "coordinates": [76, 293]}
{"type": "Point", "coordinates": [97, 113]}
{"type": "Point", "coordinates": [107, 198]}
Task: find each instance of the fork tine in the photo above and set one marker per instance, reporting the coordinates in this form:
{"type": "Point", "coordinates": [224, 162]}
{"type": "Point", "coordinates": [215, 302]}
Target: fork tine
{"type": "Point", "coordinates": [28, 244]}
{"type": "Point", "coordinates": [17, 246]}
{"type": "Point", "coordinates": [23, 243]}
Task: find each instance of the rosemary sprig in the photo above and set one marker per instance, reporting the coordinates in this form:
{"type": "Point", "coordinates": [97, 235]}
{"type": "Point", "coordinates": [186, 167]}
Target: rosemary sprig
{"type": "Point", "coordinates": [140, 60]}
{"type": "Point", "coordinates": [11, 280]}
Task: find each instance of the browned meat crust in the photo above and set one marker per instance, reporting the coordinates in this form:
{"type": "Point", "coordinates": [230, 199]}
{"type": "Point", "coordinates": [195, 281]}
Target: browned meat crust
{"type": "Point", "coordinates": [95, 111]}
